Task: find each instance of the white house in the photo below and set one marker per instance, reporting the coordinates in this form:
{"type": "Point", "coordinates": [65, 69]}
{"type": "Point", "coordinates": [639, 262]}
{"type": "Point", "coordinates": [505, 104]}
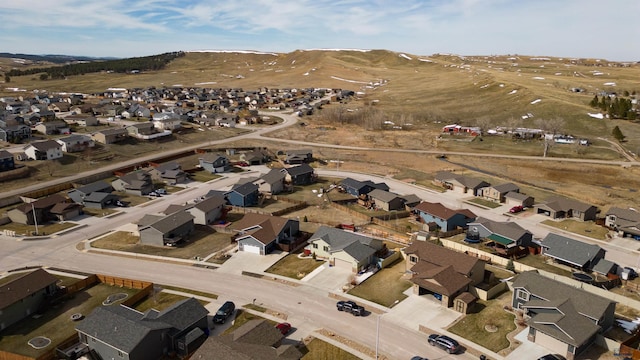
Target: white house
{"type": "Point", "coordinates": [43, 150]}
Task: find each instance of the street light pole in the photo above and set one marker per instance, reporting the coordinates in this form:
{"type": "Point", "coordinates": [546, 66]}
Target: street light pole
{"type": "Point", "coordinates": [35, 221]}
{"type": "Point", "coordinates": [377, 334]}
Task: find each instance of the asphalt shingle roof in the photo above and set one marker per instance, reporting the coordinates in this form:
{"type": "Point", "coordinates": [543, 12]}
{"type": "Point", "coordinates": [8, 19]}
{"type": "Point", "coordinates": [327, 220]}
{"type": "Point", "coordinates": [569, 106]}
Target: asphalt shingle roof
{"type": "Point", "coordinates": [570, 250]}
{"type": "Point", "coordinates": [24, 286]}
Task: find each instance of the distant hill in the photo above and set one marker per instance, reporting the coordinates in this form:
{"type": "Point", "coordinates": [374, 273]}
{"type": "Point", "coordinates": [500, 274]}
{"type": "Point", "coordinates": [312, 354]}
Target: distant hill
{"type": "Point", "coordinates": [55, 59]}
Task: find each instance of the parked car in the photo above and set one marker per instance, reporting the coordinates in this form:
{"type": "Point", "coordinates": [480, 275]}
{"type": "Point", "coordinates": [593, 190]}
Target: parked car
{"type": "Point", "coordinates": [419, 358]}
{"type": "Point", "coordinates": [552, 357]}
{"type": "Point", "coordinates": [444, 342]}
{"type": "Point", "coordinates": [224, 312]}
{"type": "Point", "coordinates": [632, 274]}
{"type": "Point", "coordinates": [120, 203]}
{"type": "Point", "coordinates": [284, 328]}
{"type": "Point", "coordinates": [161, 191]}
{"type": "Point", "coordinates": [516, 209]}
{"type": "Point", "coordinates": [154, 194]}
{"type": "Point", "coordinates": [351, 307]}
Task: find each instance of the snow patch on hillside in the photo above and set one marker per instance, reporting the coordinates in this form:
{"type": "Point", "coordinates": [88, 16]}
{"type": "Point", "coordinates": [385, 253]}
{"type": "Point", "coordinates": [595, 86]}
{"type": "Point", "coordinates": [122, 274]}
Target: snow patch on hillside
{"type": "Point", "coordinates": [425, 60]}
{"type": "Point", "coordinates": [405, 56]}
{"type": "Point", "coordinates": [536, 101]}
{"type": "Point", "coordinates": [350, 81]}
{"type": "Point", "coordinates": [512, 92]}
{"type": "Point", "coordinates": [359, 50]}
{"type": "Point", "coordinates": [596, 115]}
{"type": "Point", "coordinates": [538, 78]}
{"type": "Point", "coordinates": [609, 84]}
{"type": "Point", "coordinates": [233, 52]}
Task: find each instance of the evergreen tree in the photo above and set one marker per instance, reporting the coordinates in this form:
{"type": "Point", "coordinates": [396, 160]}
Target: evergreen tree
{"type": "Point", "coordinates": [617, 134]}
{"type": "Point", "coordinates": [595, 101]}
{"type": "Point", "coordinates": [510, 266]}
{"type": "Point", "coordinates": [7, 78]}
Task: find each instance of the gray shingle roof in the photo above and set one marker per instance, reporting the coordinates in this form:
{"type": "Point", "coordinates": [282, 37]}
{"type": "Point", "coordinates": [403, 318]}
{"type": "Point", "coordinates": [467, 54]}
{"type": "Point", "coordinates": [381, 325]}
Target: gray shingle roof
{"type": "Point", "coordinates": [299, 170]}
{"type": "Point", "coordinates": [565, 204]}
{"type": "Point", "coordinates": [172, 221]}
{"type": "Point", "coordinates": [124, 328]}
{"type": "Point", "coordinates": [382, 195]}
{"type": "Point", "coordinates": [570, 250]}
{"type": "Point", "coordinates": [505, 188]}
{"type": "Point", "coordinates": [95, 186]}
{"type": "Point", "coordinates": [340, 239]}
{"type": "Point", "coordinates": [244, 189]}
{"type": "Point", "coordinates": [568, 308]}
{"type": "Point", "coordinates": [507, 229]}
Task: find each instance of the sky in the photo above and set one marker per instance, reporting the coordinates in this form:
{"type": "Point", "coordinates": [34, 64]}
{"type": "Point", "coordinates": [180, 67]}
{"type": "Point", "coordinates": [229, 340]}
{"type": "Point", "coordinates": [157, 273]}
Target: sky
{"type": "Point", "coordinates": [127, 28]}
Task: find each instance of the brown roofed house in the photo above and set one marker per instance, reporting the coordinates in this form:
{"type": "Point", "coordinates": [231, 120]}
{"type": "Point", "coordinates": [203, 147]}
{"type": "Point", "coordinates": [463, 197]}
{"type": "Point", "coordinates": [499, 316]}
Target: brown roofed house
{"type": "Point", "coordinates": [24, 296]}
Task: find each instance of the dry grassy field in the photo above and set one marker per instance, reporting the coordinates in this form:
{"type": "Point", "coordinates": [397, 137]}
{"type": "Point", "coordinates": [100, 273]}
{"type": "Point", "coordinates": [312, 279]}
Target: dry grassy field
{"type": "Point", "coordinates": [427, 92]}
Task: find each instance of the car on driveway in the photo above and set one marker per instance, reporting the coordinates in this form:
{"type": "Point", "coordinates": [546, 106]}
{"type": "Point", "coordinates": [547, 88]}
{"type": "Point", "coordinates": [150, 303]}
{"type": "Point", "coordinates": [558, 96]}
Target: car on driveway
{"type": "Point", "coordinates": [631, 273]}
{"type": "Point", "coordinates": [445, 343]}
{"type": "Point", "coordinates": [224, 312]}
{"type": "Point", "coordinates": [516, 209]}
{"type": "Point", "coordinates": [284, 328]}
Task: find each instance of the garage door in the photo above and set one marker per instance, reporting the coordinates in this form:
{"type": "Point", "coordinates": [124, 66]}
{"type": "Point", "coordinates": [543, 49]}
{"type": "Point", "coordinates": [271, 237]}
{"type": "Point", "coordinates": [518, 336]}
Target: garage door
{"type": "Point", "coordinates": [251, 249]}
{"type": "Point", "coordinates": [554, 345]}
{"type": "Point", "coordinates": [343, 264]}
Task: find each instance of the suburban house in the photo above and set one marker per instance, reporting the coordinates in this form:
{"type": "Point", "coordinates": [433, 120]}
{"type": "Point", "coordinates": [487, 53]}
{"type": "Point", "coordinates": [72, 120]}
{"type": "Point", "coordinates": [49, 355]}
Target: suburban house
{"type": "Point", "coordinates": [53, 127]}
{"type": "Point", "coordinates": [139, 130]}
{"type": "Point", "coordinates": [386, 200]}
{"type": "Point", "coordinates": [96, 195]}
{"type": "Point", "coordinates": [207, 211]}
{"type": "Point", "coordinates": [271, 182]}
{"type": "Point", "coordinates": [299, 175]}
{"type": "Point", "coordinates": [445, 274]}
{"type": "Point", "coordinates": [562, 318]}
{"type": "Point", "coordinates": [120, 332]}
{"type": "Point", "coordinates": [15, 133]}
{"type": "Point", "coordinates": [625, 221]}
{"type": "Point", "coordinates": [137, 182]}
{"type": "Point", "coordinates": [38, 211]}
{"type": "Point", "coordinates": [459, 183]}
{"type": "Point", "coordinates": [497, 193]}
{"type": "Point", "coordinates": [243, 194]}
{"type": "Point", "coordinates": [169, 124]}
{"type": "Point", "coordinates": [170, 173]}
{"type": "Point", "coordinates": [410, 201]}
{"type": "Point", "coordinates": [43, 150]}
{"type": "Point", "coordinates": [168, 230]}
{"type": "Point", "coordinates": [75, 143]}
{"type": "Point", "coordinates": [110, 136]}
{"type": "Point", "coordinates": [255, 339]}
{"type": "Point", "coordinates": [344, 249]}
{"type": "Point", "coordinates": [573, 253]}
{"type": "Point", "coordinates": [256, 157]}
{"type": "Point", "coordinates": [298, 157]}
{"type": "Point", "coordinates": [561, 207]}
{"type": "Point", "coordinates": [446, 219]}
{"type": "Point", "coordinates": [357, 188]}
{"type": "Point", "coordinates": [507, 238]}
{"type": "Point", "coordinates": [215, 163]}
{"type": "Point", "coordinates": [7, 161]}
{"type": "Point", "coordinates": [513, 198]}
{"type": "Point", "coordinates": [66, 211]}
{"type": "Point", "coordinates": [260, 234]}
{"type": "Point", "coordinates": [25, 296]}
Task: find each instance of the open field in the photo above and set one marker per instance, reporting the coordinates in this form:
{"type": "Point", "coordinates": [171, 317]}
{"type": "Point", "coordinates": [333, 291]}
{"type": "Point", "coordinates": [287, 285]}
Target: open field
{"type": "Point", "coordinates": [43, 229]}
{"type": "Point", "coordinates": [585, 228]}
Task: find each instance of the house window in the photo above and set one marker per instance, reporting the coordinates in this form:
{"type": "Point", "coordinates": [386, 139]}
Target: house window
{"type": "Point", "coordinates": [326, 248]}
{"type": "Point", "coordinates": [413, 258]}
{"type": "Point", "coordinates": [315, 246]}
{"type": "Point", "coordinates": [572, 349]}
{"type": "Point", "coordinates": [120, 353]}
{"type": "Point", "coordinates": [523, 295]}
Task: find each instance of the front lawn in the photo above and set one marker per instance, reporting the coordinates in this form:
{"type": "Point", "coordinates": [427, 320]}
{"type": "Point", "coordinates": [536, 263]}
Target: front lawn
{"type": "Point", "coordinates": [158, 301]}
{"type": "Point", "coordinates": [321, 350]}
{"type": "Point", "coordinates": [293, 267]}
{"type": "Point", "coordinates": [43, 229]}
{"type": "Point", "coordinates": [488, 326]}
{"type": "Point", "coordinates": [485, 203]}
{"type": "Point", "coordinates": [586, 228]}
{"type": "Point", "coordinates": [385, 287]}
{"type": "Point", "coordinates": [202, 243]}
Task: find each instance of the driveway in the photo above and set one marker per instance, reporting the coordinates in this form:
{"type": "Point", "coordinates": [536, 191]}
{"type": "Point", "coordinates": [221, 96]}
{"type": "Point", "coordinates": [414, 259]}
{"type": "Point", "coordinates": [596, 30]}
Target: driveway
{"type": "Point", "coordinates": [526, 349]}
{"type": "Point", "coordinates": [419, 310]}
{"type": "Point", "coordinates": [244, 261]}
{"type": "Point", "coordinates": [328, 277]}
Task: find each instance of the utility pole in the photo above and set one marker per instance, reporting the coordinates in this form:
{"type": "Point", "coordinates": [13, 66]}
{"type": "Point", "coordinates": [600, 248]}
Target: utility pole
{"type": "Point", "coordinates": [377, 335]}
{"type": "Point", "coordinates": [35, 221]}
